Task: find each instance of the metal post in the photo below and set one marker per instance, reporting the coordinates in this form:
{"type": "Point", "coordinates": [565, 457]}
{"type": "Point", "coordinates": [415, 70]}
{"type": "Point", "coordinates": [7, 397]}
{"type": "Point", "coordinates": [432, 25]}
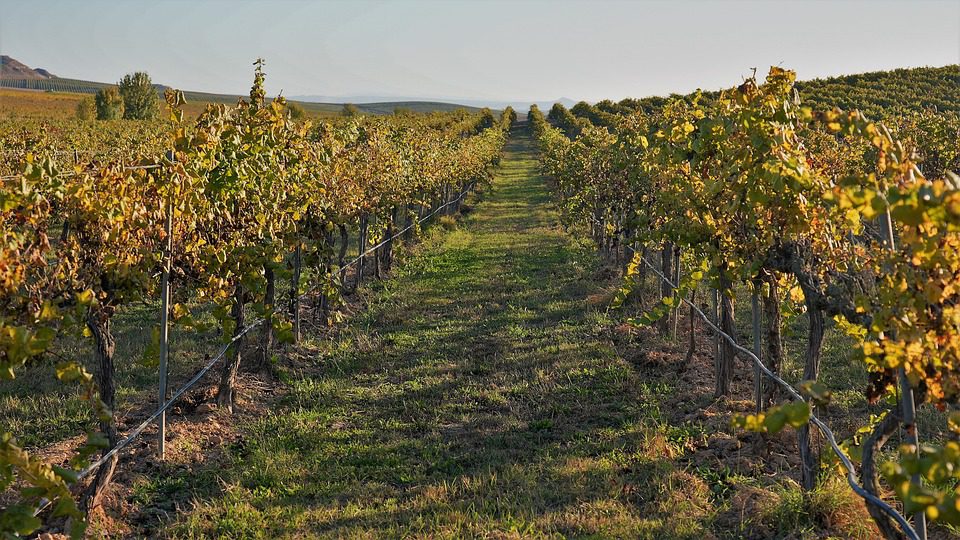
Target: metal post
{"type": "Point", "coordinates": [165, 329]}
{"type": "Point", "coordinates": [908, 404]}
{"type": "Point", "coordinates": [757, 345]}
{"type": "Point", "coordinates": [295, 300]}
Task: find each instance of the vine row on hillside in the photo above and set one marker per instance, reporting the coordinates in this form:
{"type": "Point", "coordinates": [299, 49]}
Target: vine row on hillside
{"type": "Point", "coordinates": [752, 190]}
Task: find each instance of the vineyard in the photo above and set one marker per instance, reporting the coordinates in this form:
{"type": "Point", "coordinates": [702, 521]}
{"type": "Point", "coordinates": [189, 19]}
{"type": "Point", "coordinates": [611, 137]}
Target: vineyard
{"type": "Point", "coordinates": [208, 217]}
{"type": "Point", "coordinates": [728, 314]}
{"type": "Point", "coordinates": [814, 213]}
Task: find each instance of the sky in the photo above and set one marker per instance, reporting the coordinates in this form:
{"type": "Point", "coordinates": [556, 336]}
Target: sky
{"type": "Point", "coordinates": [520, 50]}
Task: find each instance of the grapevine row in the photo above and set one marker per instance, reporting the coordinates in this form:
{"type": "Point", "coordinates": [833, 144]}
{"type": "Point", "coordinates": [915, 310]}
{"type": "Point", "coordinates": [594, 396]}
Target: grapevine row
{"type": "Point", "coordinates": [752, 190]}
{"type": "Point", "coordinates": [227, 207]}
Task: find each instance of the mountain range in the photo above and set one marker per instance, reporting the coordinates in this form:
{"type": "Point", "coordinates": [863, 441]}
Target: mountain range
{"type": "Point", "coordinates": [11, 68]}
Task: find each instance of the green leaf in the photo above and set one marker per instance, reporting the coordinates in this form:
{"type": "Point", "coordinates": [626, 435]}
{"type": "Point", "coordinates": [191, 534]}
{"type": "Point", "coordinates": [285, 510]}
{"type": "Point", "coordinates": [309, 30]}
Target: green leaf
{"type": "Point", "coordinates": [19, 518]}
{"type": "Point", "coordinates": [775, 421]}
{"type": "Point", "coordinates": [68, 475]}
{"type": "Point", "coordinates": [816, 391]}
{"type": "Point", "coordinates": [85, 298]}
{"type": "Point", "coordinates": [71, 372]}
{"type": "Point", "coordinates": [797, 413]}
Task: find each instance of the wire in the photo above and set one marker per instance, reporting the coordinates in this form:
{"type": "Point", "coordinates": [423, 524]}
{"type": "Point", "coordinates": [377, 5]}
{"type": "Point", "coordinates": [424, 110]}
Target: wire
{"type": "Point", "coordinates": [396, 235]}
{"type": "Point", "coordinates": [143, 425]}
{"type": "Point", "coordinates": [133, 435]}
{"type": "Point", "coordinates": [827, 432]}
{"type": "Point", "coordinates": [72, 174]}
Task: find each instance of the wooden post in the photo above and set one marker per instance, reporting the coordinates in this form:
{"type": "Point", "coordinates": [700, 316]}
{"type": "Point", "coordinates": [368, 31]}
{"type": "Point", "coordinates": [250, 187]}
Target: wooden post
{"type": "Point", "coordinates": [378, 256]}
{"type": "Point", "coordinates": [231, 362]}
{"type": "Point", "coordinates": [408, 223]}
{"type": "Point", "coordinates": [726, 324]}
{"type": "Point", "coordinates": [326, 274]}
{"type": "Point", "coordinates": [265, 354]}
{"type": "Point", "coordinates": [715, 297]}
{"type": "Point", "coordinates": [344, 244]}
{"type": "Point", "coordinates": [392, 224]}
{"type": "Point", "coordinates": [666, 291]}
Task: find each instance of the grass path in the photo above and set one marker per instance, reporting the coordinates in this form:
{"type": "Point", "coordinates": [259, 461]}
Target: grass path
{"type": "Point", "coordinates": [477, 397]}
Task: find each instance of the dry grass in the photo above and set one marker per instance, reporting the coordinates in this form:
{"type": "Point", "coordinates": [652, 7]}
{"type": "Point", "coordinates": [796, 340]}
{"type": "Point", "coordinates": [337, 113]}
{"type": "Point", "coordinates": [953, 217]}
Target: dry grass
{"type": "Point", "coordinates": [61, 105]}
{"type": "Point", "coordinates": [37, 104]}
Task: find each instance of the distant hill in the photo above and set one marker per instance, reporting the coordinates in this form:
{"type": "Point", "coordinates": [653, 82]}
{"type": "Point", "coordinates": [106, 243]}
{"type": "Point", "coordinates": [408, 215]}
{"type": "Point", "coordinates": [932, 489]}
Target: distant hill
{"type": "Point", "coordinates": [361, 100]}
{"type": "Point", "coordinates": [10, 68]}
{"type": "Point", "coordinates": [19, 76]}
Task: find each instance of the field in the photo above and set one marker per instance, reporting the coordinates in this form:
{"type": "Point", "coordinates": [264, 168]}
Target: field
{"type": "Point", "coordinates": [809, 212]}
{"type": "Point", "coordinates": [449, 323]}
{"type": "Point", "coordinates": [491, 340]}
{"type": "Point", "coordinates": [488, 391]}
{"type": "Point", "coordinates": [59, 105]}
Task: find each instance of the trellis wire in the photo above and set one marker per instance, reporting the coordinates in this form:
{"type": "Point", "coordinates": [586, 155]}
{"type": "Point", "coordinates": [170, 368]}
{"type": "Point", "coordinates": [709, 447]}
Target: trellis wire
{"type": "Point", "coordinates": [71, 174]}
{"type": "Point", "coordinates": [133, 435]}
{"type": "Point", "coordinates": [827, 432]}
{"type": "Point", "coordinates": [44, 503]}
{"type": "Point", "coordinates": [400, 232]}
{"type": "Point", "coordinates": [166, 405]}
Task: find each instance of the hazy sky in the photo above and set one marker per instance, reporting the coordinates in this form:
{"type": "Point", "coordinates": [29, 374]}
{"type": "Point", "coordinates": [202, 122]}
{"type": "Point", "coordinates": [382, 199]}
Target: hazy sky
{"type": "Point", "coordinates": [491, 49]}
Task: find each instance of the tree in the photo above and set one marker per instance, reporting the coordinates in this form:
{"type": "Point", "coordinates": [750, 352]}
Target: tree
{"type": "Point", "coordinates": [109, 104]}
{"type": "Point", "coordinates": [140, 100]}
{"type": "Point", "coordinates": [86, 109]}
{"type": "Point", "coordinates": [349, 109]}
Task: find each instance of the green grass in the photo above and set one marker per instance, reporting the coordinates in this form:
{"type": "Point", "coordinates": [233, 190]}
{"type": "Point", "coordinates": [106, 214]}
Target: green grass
{"type": "Point", "coordinates": [40, 410]}
{"type": "Point", "coordinates": [478, 397]}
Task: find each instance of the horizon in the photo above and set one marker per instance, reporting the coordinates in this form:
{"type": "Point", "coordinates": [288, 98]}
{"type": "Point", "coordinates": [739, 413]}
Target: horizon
{"type": "Point", "coordinates": [462, 51]}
